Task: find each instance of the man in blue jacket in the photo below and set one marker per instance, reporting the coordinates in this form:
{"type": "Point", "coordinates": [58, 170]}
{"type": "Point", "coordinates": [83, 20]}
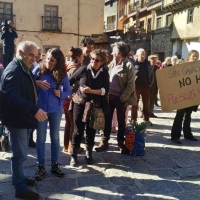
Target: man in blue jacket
{"type": "Point", "coordinates": [20, 112]}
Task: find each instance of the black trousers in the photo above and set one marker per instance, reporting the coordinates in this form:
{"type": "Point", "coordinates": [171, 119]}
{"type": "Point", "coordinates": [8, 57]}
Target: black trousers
{"type": "Point", "coordinates": [8, 54]}
{"type": "Point", "coordinates": [121, 110]}
{"type": "Point", "coordinates": [183, 116]}
{"type": "Point", "coordinates": [79, 128]}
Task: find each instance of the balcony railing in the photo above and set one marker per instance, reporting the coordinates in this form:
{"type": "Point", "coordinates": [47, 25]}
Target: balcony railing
{"type": "Point", "coordinates": [122, 14]}
{"type": "Point", "coordinates": [51, 23]}
{"type": "Point", "coordinates": [152, 2]}
{"type": "Point", "coordinates": [178, 5]}
{"type": "Point", "coordinates": [132, 8]}
{"type": "Point", "coordinates": [110, 26]}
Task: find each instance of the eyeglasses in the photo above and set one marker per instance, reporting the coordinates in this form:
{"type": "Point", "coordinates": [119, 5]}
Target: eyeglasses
{"type": "Point", "coordinates": [96, 60]}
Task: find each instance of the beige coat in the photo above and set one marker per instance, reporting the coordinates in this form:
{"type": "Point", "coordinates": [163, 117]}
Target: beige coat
{"type": "Point", "coordinates": [126, 79]}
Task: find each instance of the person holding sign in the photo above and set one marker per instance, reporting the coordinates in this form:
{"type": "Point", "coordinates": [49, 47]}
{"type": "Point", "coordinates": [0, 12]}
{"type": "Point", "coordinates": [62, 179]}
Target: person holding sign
{"type": "Point", "coordinates": [185, 113]}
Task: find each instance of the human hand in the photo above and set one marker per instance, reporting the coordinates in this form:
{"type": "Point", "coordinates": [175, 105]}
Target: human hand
{"type": "Point", "coordinates": [70, 97]}
{"type": "Point", "coordinates": [57, 93]}
{"type": "Point", "coordinates": [85, 89]}
{"type": "Point", "coordinates": [43, 84]}
{"type": "Point", "coordinates": [41, 115]}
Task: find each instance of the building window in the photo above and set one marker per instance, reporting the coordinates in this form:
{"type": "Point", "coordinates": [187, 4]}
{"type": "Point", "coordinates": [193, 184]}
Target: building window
{"type": "Point", "coordinates": [190, 15]}
{"type": "Point", "coordinates": [50, 20]}
{"type": "Point", "coordinates": [47, 47]}
{"type": "Point", "coordinates": [168, 20]}
{"type": "Point", "coordinates": [149, 25]}
{"type": "Point", "coordinates": [6, 11]}
{"type": "Point", "coordinates": [111, 22]}
{"type": "Point", "coordinates": [158, 22]}
{"type": "Point", "coordinates": [142, 28]}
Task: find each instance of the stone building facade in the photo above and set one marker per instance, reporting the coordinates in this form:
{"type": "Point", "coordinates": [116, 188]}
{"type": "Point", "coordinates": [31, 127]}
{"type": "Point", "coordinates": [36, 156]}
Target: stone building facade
{"type": "Point", "coordinates": [52, 23]}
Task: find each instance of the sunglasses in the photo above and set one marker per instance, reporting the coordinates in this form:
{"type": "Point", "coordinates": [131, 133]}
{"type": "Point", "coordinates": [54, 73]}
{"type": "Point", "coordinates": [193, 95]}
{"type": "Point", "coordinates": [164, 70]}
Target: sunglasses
{"type": "Point", "coordinates": [96, 60]}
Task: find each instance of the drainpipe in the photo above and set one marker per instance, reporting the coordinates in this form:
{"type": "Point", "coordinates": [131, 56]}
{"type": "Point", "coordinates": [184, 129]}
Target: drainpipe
{"type": "Point", "coordinates": [78, 22]}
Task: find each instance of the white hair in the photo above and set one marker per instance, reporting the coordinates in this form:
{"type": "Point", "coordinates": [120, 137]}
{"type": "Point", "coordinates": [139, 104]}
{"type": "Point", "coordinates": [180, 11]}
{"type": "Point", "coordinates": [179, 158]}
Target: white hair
{"type": "Point", "coordinates": [173, 58]}
{"type": "Point", "coordinates": [24, 45]}
{"type": "Point", "coordinates": [139, 51]}
{"type": "Point", "coordinates": [167, 59]}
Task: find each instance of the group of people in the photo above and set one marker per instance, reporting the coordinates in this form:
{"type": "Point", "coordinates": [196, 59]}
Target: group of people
{"type": "Point", "coordinates": [36, 93]}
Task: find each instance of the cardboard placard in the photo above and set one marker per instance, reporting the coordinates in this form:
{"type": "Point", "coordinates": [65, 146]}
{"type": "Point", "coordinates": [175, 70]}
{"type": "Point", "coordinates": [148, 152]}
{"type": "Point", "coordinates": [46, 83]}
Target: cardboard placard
{"type": "Point", "coordinates": [179, 86]}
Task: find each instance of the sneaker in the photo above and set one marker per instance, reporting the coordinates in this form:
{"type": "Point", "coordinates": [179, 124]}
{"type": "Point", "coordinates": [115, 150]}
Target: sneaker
{"type": "Point", "coordinates": [28, 194]}
{"type": "Point", "coordinates": [39, 175]}
{"type": "Point", "coordinates": [56, 170]}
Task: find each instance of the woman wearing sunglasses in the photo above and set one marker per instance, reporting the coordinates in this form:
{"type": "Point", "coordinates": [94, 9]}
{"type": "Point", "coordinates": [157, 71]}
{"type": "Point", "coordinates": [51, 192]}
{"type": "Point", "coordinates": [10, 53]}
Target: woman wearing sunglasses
{"type": "Point", "coordinates": [93, 84]}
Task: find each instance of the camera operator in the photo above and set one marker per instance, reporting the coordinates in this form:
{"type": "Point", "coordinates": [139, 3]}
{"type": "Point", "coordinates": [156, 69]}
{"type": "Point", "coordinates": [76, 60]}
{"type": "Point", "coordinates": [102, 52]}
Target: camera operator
{"type": "Point", "coordinates": [8, 36]}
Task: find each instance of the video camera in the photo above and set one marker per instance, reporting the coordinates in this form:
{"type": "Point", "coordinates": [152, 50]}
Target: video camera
{"type": "Point", "coordinates": [5, 26]}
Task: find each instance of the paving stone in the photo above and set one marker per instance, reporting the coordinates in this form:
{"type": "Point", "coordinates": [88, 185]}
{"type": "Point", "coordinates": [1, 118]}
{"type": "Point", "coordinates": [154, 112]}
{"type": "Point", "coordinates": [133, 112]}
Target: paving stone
{"type": "Point", "coordinates": [105, 192]}
{"type": "Point", "coordinates": [117, 171]}
{"type": "Point", "coordinates": [127, 192]}
{"type": "Point", "coordinates": [184, 196]}
{"type": "Point", "coordinates": [69, 195]}
{"type": "Point", "coordinates": [130, 192]}
{"type": "Point", "coordinates": [186, 172]}
{"type": "Point", "coordinates": [136, 166]}
{"type": "Point", "coordinates": [109, 158]}
{"type": "Point", "coordinates": [163, 163]}
{"type": "Point", "coordinates": [122, 180]}
{"type": "Point", "coordinates": [161, 186]}
{"type": "Point", "coordinates": [164, 173]}
{"type": "Point", "coordinates": [4, 188]}
{"type": "Point", "coordinates": [58, 185]}
{"type": "Point", "coordinates": [191, 184]}
{"type": "Point", "coordinates": [92, 181]}
{"type": "Point", "coordinates": [191, 162]}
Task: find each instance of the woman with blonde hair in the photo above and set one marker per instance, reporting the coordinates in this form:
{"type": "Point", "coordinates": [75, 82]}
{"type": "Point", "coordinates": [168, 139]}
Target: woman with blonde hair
{"type": "Point", "coordinates": [184, 115]}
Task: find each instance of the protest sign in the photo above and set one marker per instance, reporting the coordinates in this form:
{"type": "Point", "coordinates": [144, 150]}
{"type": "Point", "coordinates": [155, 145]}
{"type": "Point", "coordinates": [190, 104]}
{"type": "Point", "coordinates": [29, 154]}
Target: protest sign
{"type": "Point", "coordinates": [179, 86]}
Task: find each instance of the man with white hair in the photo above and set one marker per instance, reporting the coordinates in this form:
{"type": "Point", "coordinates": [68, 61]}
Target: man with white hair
{"type": "Point", "coordinates": [20, 112]}
{"type": "Point", "coordinates": [143, 82]}
{"type": "Point", "coordinates": [174, 60]}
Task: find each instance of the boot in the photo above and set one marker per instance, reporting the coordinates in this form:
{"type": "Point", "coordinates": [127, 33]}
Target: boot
{"type": "Point", "coordinates": [88, 155]}
{"type": "Point", "coordinates": [31, 142]}
{"type": "Point", "coordinates": [73, 161]}
{"type": "Point", "coordinates": [122, 148]}
{"type": "Point", "coordinates": [102, 146]}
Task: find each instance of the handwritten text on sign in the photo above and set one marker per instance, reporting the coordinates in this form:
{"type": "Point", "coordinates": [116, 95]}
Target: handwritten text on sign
{"type": "Point", "coordinates": [179, 86]}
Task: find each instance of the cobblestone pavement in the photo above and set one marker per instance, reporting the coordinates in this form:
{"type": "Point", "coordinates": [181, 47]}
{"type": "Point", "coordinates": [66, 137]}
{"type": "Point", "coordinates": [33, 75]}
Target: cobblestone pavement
{"type": "Point", "coordinates": [166, 171]}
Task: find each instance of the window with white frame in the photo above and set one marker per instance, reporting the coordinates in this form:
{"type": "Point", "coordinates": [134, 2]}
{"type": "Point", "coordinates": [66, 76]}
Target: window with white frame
{"type": "Point", "coordinates": [6, 11]}
{"type": "Point", "coordinates": [190, 16]}
{"type": "Point", "coordinates": [158, 22]}
{"type": "Point", "coordinates": [111, 22]}
{"type": "Point", "coordinates": [168, 20]}
{"type": "Point", "coordinates": [51, 20]}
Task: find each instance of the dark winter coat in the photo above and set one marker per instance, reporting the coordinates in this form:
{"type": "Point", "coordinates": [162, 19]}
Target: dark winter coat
{"type": "Point", "coordinates": [18, 97]}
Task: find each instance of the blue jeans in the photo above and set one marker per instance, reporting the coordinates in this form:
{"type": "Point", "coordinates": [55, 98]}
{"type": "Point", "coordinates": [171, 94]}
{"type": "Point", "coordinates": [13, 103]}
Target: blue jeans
{"type": "Point", "coordinates": [19, 146]}
{"type": "Point", "coordinates": [54, 124]}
